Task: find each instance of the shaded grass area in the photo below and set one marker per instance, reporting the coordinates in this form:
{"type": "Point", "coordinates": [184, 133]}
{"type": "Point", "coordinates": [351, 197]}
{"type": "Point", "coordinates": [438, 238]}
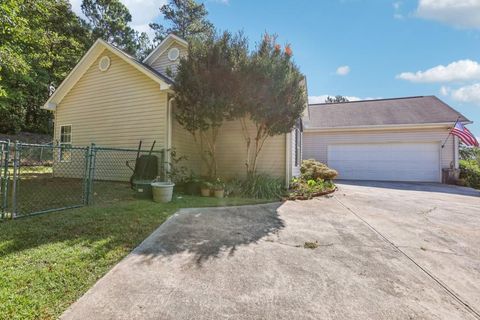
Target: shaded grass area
{"type": "Point", "coordinates": [47, 262]}
{"type": "Point", "coordinates": [38, 190]}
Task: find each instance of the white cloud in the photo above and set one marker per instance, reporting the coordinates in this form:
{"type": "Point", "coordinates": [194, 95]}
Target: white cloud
{"type": "Point", "coordinates": [469, 93]}
{"type": "Point", "coordinates": [461, 70]}
{"type": "Point", "coordinates": [459, 13]}
{"type": "Point", "coordinates": [397, 6]}
{"type": "Point", "coordinates": [343, 70]}
{"type": "Point", "coordinates": [143, 12]}
{"type": "Point", "coordinates": [444, 91]}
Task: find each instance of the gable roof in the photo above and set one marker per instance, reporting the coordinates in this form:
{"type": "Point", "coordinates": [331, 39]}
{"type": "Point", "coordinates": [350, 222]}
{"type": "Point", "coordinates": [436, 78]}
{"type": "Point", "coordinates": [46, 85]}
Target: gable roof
{"type": "Point", "coordinates": [88, 59]}
{"type": "Point", "coordinates": [408, 111]}
{"type": "Point", "coordinates": [167, 42]}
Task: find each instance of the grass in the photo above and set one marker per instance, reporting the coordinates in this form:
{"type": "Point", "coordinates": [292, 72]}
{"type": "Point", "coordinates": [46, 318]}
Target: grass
{"type": "Point", "coordinates": [47, 262]}
{"type": "Point", "coordinates": [39, 190]}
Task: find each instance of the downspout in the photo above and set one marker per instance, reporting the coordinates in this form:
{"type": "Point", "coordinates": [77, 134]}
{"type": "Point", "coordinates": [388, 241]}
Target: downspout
{"type": "Point", "coordinates": [168, 133]}
{"type": "Point", "coordinates": [288, 158]}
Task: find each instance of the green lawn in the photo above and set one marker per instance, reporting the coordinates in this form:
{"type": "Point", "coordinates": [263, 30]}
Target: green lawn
{"type": "Point", "coordinates": [49, 261]}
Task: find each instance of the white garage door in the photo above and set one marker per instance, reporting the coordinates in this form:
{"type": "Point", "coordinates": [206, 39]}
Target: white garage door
{"type": "Point", "coordinates": [386, 161]}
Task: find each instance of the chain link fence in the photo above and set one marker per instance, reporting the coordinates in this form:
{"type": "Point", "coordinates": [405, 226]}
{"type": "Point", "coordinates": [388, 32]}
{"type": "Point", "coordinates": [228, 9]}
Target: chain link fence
{"type": "Point", "coordinates": [36, 179]}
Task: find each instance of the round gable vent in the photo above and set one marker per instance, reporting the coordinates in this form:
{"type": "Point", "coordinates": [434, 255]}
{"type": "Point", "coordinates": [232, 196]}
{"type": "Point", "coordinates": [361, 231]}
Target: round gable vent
{"type": "Point", "coordinates": [173, 54]}
{"type": "Point", "coordinates": [104, 63]}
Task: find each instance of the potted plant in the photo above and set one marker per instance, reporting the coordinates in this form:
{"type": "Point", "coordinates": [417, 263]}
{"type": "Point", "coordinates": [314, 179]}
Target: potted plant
{"type": "Point", "coordinates": [162, 191]}
{"type": "Point", "coordinates": [205, 188]}
{"type": "Point", "coordinates": [219, 188]}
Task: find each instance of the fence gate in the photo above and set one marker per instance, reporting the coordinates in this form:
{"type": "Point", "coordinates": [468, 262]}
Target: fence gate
{"type": "Point", "coordinates": [39, 178]}
{"type": "Point", "coordinates": [47, 178]}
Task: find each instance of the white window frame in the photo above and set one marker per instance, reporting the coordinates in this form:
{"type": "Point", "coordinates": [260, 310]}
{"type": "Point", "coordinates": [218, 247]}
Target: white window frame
{"type": "Point", "coordinates": [62, 144]}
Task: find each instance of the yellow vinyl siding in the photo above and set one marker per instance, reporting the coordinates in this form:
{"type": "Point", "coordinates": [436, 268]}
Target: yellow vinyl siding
{"type": "Point", "coordinates": [162, 63]}
{"type": "Point", "coordinates": [115, 108]}
{"type": "Point", "coordinates": [315, 143]}
{"type": "Point", "coordinates": [231, 152]}
{"type": "Point", "coordinates": [184, 145]}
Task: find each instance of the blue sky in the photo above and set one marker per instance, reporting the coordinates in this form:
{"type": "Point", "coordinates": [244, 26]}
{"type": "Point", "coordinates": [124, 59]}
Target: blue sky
{"type": "Point", "coordinates": [364, 48]}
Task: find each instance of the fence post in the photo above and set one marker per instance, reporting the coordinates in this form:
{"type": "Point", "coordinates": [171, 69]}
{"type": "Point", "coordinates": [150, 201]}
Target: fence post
{"type": "Point", "coordinates": [16, 167]}
{"type": "Point", "coordinates": [86, 177]}
{"type": "Point", "coordinates": [4, 177]}
{"type": "Point", "coordinates": [91, 173]}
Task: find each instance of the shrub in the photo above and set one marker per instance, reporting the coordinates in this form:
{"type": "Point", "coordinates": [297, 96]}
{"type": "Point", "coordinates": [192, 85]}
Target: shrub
{"type": "Point", "coordinates": [313, 170]}
{"type": "Point", "coordinates": [263, 186]}
{"type": "Point", "coordinates": [233, 188]}
{"type": "Point", "coordinates": [307, 189]}
{"type": "Point", "coordinates": [470, 172]}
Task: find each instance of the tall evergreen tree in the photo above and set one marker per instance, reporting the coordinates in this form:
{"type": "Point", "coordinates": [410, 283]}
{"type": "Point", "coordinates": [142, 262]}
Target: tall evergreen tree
{"type": "Point", "coordinates": [109, 20]}
{"type": "Point", "coordinates": [40, 42]}
{"type": "Point", "coordinates": [185, 18]}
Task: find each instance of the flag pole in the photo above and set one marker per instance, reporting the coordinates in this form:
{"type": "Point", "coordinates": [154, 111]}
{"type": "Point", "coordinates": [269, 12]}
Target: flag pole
{"type": "Point", "coordinates": [450, 132]}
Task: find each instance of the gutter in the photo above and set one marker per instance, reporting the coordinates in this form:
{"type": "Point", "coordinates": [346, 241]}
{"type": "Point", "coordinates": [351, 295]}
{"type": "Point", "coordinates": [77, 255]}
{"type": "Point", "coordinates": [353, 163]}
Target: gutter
{"type": "Point", "coordinates": [384, 127]}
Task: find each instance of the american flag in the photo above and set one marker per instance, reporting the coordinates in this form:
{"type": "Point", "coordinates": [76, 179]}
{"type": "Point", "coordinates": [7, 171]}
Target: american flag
{"type": "Point", "coordinates": [464, 134]}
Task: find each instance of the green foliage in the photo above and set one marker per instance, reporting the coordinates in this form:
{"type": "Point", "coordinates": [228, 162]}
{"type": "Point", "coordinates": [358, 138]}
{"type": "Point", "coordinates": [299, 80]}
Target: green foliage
{"type": "Point", "coordinates": [315, 179]}
{"type": "Point", "coordinates": [218, 184]}
{"type": "Point", "coordinates": [313, 170]}
{"type": "Point", "coordinates": [470, 172]}
{"type": "Point", "coordinates": [109, 20]}
{"type": "Point", "coordinates": [301, 188]}
{"type": "Point", "coordinates": [263, 186]}
{"type": "Point", "coordinates": [186, 19]}
{"type": "Point", "coordinates": [40, 42]}
{"type": "Point", "coordinates": [273, 96]}
{"type": "Point", "coordinates": [203, 89]}
{"type": "Point", "coordinates": [469, 153]}
{"type": "Point", "coordinates": [177, 173]}
{"type": "Point", "coordinates": [233, 187]}
{"type": "Point", "coordinates": [336, 99]}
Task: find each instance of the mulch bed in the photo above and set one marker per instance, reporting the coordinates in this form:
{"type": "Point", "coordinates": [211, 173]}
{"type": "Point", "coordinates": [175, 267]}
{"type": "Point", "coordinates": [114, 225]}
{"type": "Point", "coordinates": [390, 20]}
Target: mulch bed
{"type": "Point", "coordinates": [318, 194]}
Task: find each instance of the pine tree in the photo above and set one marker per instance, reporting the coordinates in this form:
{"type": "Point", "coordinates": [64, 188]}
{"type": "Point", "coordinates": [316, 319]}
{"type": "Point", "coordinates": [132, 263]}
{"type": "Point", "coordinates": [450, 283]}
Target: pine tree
{"type": "Point", "coordinates": [186, 19]}
{"type": "Point", "coordinates": [109, 20]}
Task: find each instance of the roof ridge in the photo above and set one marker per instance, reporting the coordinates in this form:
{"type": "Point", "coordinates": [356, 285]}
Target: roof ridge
{"type": "Point", "coordinates": [369, 100]}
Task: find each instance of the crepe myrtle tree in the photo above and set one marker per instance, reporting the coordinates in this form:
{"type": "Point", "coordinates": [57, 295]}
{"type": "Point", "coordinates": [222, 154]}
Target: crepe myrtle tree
{"type": "Point", "coordinates": [273, 97]}
{"type": "Point", "coordinates": [205, 89]}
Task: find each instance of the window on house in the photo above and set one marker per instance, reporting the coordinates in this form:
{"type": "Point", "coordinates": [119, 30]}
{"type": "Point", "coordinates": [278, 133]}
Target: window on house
{"type": "Point", "coordinates": [298, 147]}
{"type": "Point", "coordinates": [65, 143]}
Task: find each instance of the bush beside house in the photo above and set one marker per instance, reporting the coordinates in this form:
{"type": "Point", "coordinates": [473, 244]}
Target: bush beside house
{"type": "Point", "coordinates": [470, 166]}
{"type": "Point", "coordinates": [315, 180]}
{"type": "Point", "coordinates": [470, 173]}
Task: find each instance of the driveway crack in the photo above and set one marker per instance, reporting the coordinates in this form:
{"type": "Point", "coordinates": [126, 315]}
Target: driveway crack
{"type": "Point", "coordinates": [450, 291]}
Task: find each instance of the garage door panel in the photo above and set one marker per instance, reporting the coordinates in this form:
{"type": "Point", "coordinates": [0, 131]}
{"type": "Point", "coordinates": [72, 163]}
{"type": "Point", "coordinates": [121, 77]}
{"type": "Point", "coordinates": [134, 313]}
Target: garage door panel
{"type": "Point", "coordinates": [386, 161]}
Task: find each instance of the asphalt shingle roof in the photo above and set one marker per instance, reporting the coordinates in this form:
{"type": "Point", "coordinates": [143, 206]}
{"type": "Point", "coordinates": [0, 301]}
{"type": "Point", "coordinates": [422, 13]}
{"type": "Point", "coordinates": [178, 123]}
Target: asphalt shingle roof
{"type": "Point", "coordinates": [397, 111]}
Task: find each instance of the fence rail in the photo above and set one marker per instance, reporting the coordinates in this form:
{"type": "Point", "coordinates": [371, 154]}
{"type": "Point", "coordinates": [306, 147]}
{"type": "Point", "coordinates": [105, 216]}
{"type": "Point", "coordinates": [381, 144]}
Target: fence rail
{"type": "Point", "coordinates": [36, 178]}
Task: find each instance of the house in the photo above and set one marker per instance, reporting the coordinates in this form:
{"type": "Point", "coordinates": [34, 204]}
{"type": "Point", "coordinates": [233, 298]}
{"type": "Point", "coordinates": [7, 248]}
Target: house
{"type": "Point", "coordinates": [386, 139]}
{"type": "Point", "coordinates": [113, 100]}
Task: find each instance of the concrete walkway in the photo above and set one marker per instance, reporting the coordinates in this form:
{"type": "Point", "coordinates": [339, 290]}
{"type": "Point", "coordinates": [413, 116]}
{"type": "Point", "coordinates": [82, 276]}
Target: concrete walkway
{"type": "Point", "coordinates": [383, 252]}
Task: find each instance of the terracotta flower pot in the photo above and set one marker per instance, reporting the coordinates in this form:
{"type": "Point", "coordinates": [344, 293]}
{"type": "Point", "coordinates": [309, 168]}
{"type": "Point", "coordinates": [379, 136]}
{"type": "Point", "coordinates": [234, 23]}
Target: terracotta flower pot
{"type": "Point", "coordinates": [219, 193]}
{"type": "Point", "coordinates": [205, 192]}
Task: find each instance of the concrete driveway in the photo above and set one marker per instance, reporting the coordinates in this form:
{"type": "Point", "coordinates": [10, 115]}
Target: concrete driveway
{"type": "Point", "coordinates": [383, 251]}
